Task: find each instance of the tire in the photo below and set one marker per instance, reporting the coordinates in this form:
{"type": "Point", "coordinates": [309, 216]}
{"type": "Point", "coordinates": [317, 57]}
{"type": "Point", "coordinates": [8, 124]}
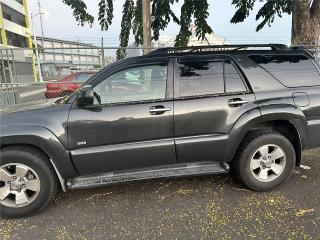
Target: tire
{"type": "Point", "coordinates": [31, 168]}
{"type": "Point", "coordinates": [255, 168]}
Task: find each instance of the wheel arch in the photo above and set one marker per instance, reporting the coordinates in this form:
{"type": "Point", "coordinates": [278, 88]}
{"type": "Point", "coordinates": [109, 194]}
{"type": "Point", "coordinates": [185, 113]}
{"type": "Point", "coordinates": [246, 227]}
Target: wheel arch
{"type": "Point", "coordinates": [43, 140]}
{"type": "Point", "coordinates": [292, 125]}
{"type": "Point", "coordinates": [62, 180]}
{"type": "Point", "coordinates": [285, 128]}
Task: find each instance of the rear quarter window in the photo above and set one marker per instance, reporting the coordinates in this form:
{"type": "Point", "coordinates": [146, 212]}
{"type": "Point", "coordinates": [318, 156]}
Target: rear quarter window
{"type": "Point", "coordinates": [290, 70]}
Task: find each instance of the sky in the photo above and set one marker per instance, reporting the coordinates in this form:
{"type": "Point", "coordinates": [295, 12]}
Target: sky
{"type": "Point", "coordinates": [60, 23]}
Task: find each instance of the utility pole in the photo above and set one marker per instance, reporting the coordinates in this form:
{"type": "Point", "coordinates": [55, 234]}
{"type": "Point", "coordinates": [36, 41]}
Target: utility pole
{"type": "Point", "coordinates": [102, 54]}
{"type": "Point", "coordinates": [36, 47]}
{"type": "Point", "coordinates": [42, 34]}
{"type": "Point", "coordinates": [146, 16]}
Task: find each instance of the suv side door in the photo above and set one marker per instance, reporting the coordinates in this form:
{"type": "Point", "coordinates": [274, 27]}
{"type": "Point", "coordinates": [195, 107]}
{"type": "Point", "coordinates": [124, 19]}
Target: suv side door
{"type": "Point", "coordinates": [132, 126]}
{"type": "Point", "coordinates": [211, 94]}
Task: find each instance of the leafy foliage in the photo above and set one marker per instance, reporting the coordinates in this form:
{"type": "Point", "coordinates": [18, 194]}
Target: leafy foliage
{"type": "Point", "coordinates": [199, 10]}
{"type": "Point", "coordinates": [201, 14]}
{"type": "Point", "coordinates": [272, 8]}
{"type": "Point", "coordinates": [267, 13]}
{"type": "Point", "coordinates": [127, 15]}
{"type": "Point", "coordinates": [137, 24]}
{"type": "Point", "coordinates": [80, 11]}
{"type": "Point", "coordinates": [185, 22]}
{"type": "Point", "coordinates": [105, 14]}
{"type": "Point", "coordinates": [161, 16]}
{"type": "Point", "coordinates": [244, 7]}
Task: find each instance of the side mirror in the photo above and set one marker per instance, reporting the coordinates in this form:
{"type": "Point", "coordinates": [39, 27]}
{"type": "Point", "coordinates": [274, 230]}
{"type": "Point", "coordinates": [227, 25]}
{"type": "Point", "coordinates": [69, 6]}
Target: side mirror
{"type": "Point", "coordinates": [85, 96]}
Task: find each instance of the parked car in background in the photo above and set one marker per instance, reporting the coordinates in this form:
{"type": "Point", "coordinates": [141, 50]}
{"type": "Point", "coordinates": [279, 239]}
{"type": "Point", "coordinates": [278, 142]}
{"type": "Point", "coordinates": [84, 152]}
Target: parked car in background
{"type": "Point", "coordinates": [67, 85]}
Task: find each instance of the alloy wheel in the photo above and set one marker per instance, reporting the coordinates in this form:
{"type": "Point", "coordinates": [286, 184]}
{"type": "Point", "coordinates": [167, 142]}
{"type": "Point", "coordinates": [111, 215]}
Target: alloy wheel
{"type": "Point", "coordinates": [268, 163]}
{"type": "Point", "coordinates": [19, 185]}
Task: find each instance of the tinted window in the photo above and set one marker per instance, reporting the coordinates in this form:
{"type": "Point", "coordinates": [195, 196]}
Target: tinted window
{"type": "Point", "coordinates": [290, 70]}
{"type": "Point", "coordinates": [13, 16]}
{"type": "Point", "coordinates": [234, 81]}
{"type": "Point", "coordinates": [16, 40]}
{"type": "Point", "coordinates": [82, 77]}
{"type": "Point", "coordinates": [135, 84]}
{"type": "Point", "coordinates": [205, 78]}
{"type": "Point", "coordinates": [201, 78]}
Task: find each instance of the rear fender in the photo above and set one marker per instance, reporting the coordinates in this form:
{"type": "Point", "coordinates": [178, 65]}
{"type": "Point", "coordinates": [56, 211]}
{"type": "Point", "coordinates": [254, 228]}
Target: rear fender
{"type": "Point", "coordinates": [248, 121]}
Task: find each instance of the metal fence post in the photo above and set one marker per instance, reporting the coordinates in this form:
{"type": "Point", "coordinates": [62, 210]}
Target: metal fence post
{"type": "Point", "coordinates": [102, 54]}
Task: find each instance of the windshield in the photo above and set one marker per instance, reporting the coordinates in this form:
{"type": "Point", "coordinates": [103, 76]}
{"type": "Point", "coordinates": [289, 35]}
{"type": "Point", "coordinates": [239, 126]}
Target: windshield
{"type": "Point", "coordinates": [82, 77]}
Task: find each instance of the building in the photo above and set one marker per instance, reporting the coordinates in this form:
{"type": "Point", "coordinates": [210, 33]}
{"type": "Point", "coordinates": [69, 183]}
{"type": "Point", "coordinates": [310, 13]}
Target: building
{"type": "Point", "coordinates": [14, 24]}
{"type": "Point", "coordinates": [60, 58]}
{"type": "Point", "coordinates": [19, 63]}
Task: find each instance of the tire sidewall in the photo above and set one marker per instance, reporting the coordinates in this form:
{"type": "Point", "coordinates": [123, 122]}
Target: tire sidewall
{"type": "Point", "coordinates": [244, 165]}
{"type": "Point", "coordinates": [47, 183]}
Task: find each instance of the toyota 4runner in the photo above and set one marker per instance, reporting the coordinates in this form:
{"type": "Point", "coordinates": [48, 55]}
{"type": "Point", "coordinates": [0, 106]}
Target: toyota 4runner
{"type": "Point", "coordinates": [174, 112]}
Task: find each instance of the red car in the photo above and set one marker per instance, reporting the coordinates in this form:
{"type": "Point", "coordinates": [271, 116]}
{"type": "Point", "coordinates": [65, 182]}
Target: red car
{"type": "Point", "coordinates": [67, 85]}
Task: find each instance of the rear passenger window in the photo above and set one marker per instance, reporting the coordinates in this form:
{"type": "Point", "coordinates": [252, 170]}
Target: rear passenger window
{"type": "Point", "coordinates": [234, 82]}
{"type": "Point", "coordinates": [290, 70]}
{"type": "Point", "coordinates": [201, 78]}
{"type": "Point", "coordinates": [209, 78]}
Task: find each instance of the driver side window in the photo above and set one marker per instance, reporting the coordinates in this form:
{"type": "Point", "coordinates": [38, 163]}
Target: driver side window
{"type": "Point", "coordinates": [134, 84]}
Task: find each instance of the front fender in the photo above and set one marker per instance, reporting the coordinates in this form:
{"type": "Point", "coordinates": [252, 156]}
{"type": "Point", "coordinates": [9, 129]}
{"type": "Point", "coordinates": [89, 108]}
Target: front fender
{"type": "Point", "coordinates": [42, 138]}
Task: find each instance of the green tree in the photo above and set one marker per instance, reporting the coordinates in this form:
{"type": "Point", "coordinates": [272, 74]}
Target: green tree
{"type": "Point", "coordinates": [305, 17]}
{"type": "Point", "coordinates": [161, 14]}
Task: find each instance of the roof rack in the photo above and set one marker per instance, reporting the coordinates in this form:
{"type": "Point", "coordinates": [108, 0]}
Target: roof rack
{"type": "Point", "coordinates": [169, 50]}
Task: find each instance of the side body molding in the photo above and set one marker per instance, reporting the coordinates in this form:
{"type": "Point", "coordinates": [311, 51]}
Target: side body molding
{"type": "Point", "coordinates": [44, 139]}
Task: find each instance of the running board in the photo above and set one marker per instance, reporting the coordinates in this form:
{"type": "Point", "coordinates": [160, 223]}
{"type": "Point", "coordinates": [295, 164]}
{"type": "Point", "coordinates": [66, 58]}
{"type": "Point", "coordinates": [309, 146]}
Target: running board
{"type": "Point", "coordinates": [178, 170]}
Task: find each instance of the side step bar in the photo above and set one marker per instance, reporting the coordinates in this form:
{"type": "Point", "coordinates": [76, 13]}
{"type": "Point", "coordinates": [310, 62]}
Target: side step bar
{"type": "Point", "coordinates": [178, 170]}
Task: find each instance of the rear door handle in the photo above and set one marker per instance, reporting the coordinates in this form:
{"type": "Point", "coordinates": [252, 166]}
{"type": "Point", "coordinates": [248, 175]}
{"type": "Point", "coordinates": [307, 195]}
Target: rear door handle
{"type": "Point", "coordinates": [155, 110]}
{"type": "Point", "coordinates": [237, 102]}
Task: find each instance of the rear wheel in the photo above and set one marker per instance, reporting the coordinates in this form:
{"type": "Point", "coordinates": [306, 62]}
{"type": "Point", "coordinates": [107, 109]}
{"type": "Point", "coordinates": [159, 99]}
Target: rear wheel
{"type": "Point", "coordinates": [265, 160]}
{"type": "Point", "coordinates": [27, 182]}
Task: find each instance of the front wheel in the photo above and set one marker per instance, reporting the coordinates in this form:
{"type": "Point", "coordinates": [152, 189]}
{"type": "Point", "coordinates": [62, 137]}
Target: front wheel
{"type": "Point", "coordinates": [265, 160]}
{"type": "Point", "coordinates": [27, 182]}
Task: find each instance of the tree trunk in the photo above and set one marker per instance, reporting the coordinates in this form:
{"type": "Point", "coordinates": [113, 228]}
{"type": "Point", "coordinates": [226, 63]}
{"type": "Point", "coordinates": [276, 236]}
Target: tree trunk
{"type": "Point", "coordinates": [146, 16]}
{"type": "Point", "coordinates": [305, 23]}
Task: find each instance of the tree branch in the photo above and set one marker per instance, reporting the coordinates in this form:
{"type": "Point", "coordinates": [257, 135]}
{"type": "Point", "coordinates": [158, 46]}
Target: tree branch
{"type": "Point", "coordinates": [105, 14]}
{"type": "Point", "coordinates": [127, 15]}
{"type": "Point", "coordinates": [244, 7]}
{"type": "Point", "coordinates": [137, 23]}
{"type": "Point", "coordinates": [272, 8]}
{"type": "Point", "coordinates": [161, 16]}
{"type": "Point", "coordinates": [80, 11]}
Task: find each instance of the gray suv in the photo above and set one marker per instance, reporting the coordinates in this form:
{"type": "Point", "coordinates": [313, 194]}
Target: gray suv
{"type": "Point", "coordinates": [171, 113]}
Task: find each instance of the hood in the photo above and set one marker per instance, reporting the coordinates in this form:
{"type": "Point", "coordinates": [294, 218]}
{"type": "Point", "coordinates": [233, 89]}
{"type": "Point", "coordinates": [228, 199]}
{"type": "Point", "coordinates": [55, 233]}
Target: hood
{"type": "Point", "coordinates": [42, 113]}
{"type": "Point", "coordinates": [28, 106]}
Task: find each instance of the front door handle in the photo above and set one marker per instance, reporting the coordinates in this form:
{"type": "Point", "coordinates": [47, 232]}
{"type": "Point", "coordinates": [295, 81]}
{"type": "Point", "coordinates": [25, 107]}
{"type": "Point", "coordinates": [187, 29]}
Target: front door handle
{"type": "Point", "coordinates": [156, 110]}
{"type": "Point", "coordinates": [237, 102]}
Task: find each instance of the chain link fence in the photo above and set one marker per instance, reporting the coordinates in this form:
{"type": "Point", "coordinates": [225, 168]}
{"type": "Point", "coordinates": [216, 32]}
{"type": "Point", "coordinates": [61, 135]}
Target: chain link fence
{"type": "Point", "coordinates": [57, 72]}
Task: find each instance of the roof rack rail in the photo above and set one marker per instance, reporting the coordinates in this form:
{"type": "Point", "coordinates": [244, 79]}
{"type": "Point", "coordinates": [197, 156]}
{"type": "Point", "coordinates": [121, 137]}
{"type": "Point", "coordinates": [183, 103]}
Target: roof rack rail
{"type": "Point", "coordinates": [167, 50]}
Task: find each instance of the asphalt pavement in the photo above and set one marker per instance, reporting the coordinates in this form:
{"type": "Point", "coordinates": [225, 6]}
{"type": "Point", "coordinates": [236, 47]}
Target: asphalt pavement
{"type": "Point", "coordinates": [208, 207]}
